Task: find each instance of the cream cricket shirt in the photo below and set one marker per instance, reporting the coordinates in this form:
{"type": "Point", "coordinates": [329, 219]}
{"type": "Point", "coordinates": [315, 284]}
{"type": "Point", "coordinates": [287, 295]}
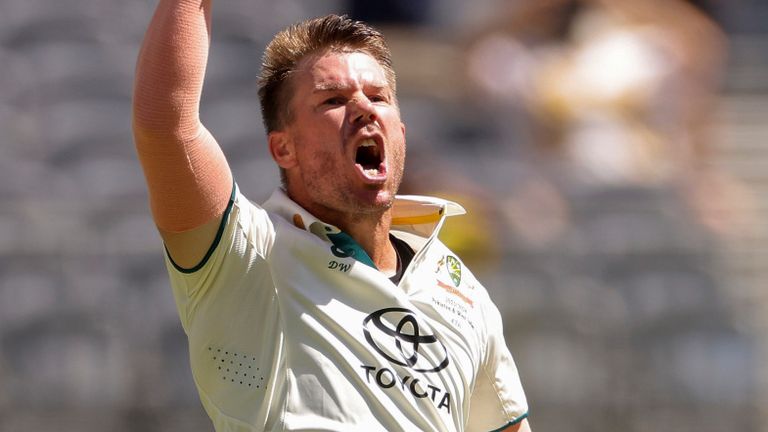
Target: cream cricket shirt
{"type": "Point", "coordinates": [293, 329]}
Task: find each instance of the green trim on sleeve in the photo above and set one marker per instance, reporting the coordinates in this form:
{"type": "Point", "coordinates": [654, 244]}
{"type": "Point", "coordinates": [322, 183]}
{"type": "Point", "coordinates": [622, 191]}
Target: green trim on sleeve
{"type": "Point", "coordinates": [216, 240]}
{"type": "Point", "coordinates": [512, 423]}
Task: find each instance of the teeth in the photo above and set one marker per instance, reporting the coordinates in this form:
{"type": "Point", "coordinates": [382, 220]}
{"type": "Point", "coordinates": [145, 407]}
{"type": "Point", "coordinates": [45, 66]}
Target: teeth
{"type": "Point", "coordinates": [368, 143]}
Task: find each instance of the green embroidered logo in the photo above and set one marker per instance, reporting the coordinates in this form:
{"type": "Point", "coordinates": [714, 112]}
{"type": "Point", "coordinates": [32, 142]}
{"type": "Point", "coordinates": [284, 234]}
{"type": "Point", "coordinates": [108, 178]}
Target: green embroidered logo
{"type": "Point", "coordinates": [454, 269]}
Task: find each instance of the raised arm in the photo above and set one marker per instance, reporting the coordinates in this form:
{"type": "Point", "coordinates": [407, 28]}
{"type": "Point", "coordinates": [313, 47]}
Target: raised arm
{"type": "Point", "coordinates": [188, 177]}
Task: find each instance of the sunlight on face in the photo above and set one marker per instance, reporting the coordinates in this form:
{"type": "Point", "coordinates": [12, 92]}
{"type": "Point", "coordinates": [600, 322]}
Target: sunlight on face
{"type": "Point", "coordinates": [347, 134]}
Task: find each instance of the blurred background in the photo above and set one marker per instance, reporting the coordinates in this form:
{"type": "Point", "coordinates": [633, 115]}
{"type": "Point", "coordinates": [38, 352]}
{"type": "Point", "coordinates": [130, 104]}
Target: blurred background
{"type": "Point", "coordinates": [612, 154]}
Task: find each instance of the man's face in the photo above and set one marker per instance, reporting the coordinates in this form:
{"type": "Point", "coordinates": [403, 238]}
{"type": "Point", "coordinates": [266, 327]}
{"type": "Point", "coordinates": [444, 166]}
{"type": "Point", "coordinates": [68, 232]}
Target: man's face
{"type": "Point", "coordinates": [346, 135]}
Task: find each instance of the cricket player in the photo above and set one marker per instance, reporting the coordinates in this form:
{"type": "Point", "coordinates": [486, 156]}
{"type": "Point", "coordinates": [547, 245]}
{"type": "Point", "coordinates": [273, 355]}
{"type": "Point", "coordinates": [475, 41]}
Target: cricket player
{"type": "Point", "coordinates": [332, 306]}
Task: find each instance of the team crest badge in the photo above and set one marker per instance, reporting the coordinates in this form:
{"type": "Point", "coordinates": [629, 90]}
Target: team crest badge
{"type": "Point", "coordinates": [454, 269]}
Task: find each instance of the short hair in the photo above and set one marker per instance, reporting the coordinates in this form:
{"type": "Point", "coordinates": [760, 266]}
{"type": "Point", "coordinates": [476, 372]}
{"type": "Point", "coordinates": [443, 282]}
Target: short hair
{"type": "Point", "coordinates": [291, 45]}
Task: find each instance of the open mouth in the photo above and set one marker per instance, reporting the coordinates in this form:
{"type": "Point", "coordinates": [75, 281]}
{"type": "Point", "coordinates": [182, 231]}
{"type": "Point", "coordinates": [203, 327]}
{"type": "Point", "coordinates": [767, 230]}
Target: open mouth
{"type": "Point", "coordinates": [368, 156]}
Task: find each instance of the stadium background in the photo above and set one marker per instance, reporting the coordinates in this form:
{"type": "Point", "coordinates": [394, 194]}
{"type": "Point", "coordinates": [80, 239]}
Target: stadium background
{"type": "Point", "coordinates": [618, 187]}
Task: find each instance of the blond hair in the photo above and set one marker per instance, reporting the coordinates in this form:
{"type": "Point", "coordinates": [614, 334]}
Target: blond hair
{"type": "Point", "coordinates": [293, 44]}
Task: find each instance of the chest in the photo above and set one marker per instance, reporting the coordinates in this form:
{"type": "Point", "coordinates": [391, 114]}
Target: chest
{"type": "Point", "coordinates": [423, 336]}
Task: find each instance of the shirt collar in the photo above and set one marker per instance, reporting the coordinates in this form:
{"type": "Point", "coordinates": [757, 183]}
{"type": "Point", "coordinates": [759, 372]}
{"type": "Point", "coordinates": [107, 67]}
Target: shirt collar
{"type": "Point", "coordinates": [421, 215]}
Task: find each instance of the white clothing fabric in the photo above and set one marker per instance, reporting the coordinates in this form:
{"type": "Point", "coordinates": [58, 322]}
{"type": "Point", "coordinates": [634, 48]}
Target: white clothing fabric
{"type": "Point", "coordinates": [293, 329]}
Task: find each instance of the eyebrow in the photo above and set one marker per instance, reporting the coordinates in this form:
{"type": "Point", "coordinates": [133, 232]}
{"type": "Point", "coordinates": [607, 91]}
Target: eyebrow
{"type": "Point", "coordinates": [332, 86]}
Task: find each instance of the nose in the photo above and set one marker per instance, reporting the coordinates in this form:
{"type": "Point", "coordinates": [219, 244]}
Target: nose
{"type": "Point", "coordinates": [361, 110]}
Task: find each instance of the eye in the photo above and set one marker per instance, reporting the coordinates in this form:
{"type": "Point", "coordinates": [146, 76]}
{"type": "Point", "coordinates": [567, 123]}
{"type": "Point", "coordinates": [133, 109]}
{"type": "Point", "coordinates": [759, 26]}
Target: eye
{"type": "Point", "coordinates": [378, 98]}
{"type": "Point", "coordinates": [335, 100]}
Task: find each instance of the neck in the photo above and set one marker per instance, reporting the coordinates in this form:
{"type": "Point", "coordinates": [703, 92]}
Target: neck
{"type": "Point", "coordinates": [369, 229]}
{"type": "Point", "coordinates": [372, 234]}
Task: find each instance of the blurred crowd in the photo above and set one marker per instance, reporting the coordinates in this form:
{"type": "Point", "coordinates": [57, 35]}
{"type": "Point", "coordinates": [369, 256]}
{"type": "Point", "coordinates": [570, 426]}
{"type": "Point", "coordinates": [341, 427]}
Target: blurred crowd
{"type": "Point", "coordinates": [610, 153]}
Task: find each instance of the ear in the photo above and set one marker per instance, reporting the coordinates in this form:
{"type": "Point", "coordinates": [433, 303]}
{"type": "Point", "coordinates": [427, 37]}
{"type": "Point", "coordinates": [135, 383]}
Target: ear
{"type": "Point", "coordinates": [282, 148]}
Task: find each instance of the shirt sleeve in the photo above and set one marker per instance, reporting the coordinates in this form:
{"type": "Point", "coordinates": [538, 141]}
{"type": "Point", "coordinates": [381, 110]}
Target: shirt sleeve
{"type": "Point", "coordinates": [228, 308]}
{"type": "Point", "coordinates": [498, 399]}
{"type": "Point", "coordinates": [241, 245]}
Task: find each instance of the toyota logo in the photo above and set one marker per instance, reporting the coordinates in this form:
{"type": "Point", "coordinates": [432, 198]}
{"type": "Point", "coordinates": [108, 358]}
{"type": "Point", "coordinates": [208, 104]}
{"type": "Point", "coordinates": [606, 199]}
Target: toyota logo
{"type": "Point", "coordinates": [397, 335]}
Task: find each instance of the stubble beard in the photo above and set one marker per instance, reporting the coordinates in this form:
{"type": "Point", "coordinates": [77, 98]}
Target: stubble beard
{"type": "Point", "coordinates": [340, 198]}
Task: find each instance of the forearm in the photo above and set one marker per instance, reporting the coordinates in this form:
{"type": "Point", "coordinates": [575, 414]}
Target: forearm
{"type": "Point", "coordinates": [171, 68]}
{"type": "Point", "coordinates": [188, 177]}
